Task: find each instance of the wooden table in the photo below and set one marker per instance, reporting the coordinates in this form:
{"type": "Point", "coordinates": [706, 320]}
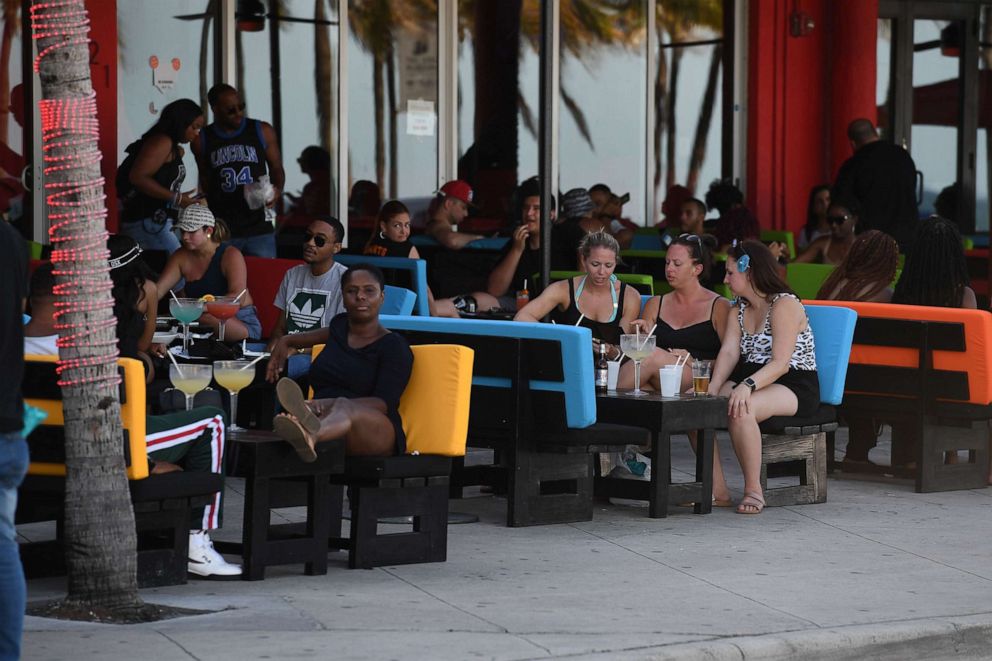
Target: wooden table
{"type": "Point", "coordinates": [267, 463]}
{"type": "Point", "coordinates": [665, 416]}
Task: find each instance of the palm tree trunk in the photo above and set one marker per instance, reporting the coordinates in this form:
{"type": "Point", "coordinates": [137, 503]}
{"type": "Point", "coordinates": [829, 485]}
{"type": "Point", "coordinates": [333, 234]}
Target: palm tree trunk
{"type": "Point", "coordinates": [661, 108]}
{"type": "Point", "coordinates": [99, 521]}
{"type": "Point", "coordinates": [670, 111]}
{"type": "Point", "coordinates": [322, 77]}
{"type": "Point", "coordinates": [380, 137]}
{"type": "Point", "coordinates": [393, 114]}
{"type": "Point", "coordinates": [205, 52]}
{"type": "Point", "coordinates": [698, 154]}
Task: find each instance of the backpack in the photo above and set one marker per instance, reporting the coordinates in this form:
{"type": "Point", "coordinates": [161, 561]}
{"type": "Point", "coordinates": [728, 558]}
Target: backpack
{"type": "Point", "coordinates": [123, 179]}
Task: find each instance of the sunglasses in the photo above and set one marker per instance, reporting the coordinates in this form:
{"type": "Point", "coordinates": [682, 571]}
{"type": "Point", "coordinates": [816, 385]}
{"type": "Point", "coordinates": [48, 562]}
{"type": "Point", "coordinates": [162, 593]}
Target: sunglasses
{"type": "Point", "coordinates": [234, 110]}
{"type": "Point", "coordinates": [838, 220]}
{"type": "Point", "coordinates": [318, 240]}
{"type": "Point", "coordinates": [691, 237]}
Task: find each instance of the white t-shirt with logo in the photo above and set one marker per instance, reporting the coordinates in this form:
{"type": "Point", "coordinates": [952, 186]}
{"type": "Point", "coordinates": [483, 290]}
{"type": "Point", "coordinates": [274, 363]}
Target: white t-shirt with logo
{"type": "Point", "coordinates": [310, 301]}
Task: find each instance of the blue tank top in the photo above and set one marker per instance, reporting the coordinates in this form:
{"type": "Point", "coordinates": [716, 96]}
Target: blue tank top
{"type": "Point", "coordinates": [212, 281]}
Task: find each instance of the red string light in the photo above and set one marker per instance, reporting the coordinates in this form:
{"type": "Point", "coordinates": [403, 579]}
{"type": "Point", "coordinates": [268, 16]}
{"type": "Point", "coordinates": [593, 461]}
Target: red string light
{"type": "Point", "coordinates": [70, 130]}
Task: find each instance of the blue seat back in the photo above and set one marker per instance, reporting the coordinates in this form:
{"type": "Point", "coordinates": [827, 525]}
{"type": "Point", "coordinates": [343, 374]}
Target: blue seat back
{"type": "Point", "coordinates": [576, 356]}
{"type": "Point", "coordinates": [833, 332]}
{"type": "Point", "coordinates": [646, 242]}
{"type": "Point", "coordinates": [486, 243]}
{"type": "Point", "coordinates": [417, 267]}
{"type": "Point", "coordinates": [399, 300]}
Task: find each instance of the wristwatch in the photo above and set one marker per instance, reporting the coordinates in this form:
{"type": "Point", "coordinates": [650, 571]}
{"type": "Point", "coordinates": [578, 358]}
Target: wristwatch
{"type": "Point", "coordinates": [749, 382]}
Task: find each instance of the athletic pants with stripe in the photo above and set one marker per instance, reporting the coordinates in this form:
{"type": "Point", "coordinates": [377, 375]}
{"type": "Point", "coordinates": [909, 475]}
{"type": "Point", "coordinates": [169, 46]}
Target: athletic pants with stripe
{"type": "Point", "coordinates": [194, 440]}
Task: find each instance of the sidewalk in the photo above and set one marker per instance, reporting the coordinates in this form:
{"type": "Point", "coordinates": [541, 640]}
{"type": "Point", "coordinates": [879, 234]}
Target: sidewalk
{"type": "Point", "coordinates": [876, 572]}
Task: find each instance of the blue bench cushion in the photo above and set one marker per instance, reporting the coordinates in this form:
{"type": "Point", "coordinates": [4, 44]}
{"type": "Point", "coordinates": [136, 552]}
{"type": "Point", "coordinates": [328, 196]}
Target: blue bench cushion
{"type": "Point", "coordinates": [833, 332]}
{"type": "Point", "coordinates": [576, 356]}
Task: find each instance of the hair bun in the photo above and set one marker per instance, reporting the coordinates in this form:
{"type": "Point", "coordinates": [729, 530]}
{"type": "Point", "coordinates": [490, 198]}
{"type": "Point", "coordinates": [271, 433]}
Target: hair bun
{"type": "Point", "coordinates": [709, 241]}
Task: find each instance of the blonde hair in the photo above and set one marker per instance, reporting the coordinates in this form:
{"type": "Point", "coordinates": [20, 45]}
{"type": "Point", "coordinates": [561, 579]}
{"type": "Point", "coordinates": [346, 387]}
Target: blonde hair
{"type": "Point", "coordinates": [221, 233]}
{"type": "Point", "coordinates": [599, 239]}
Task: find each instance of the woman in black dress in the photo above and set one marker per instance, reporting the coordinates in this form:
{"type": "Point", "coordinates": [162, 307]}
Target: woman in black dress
{"type": "Point", "coordinates": [357, 379]}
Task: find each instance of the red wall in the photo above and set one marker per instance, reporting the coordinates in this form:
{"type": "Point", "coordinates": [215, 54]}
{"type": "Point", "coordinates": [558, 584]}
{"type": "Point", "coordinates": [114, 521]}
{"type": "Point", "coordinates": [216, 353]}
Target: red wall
{"type": "Point", "coordinates": [802, 92]}
{"type": "Point", "coordinates": [103, 69]}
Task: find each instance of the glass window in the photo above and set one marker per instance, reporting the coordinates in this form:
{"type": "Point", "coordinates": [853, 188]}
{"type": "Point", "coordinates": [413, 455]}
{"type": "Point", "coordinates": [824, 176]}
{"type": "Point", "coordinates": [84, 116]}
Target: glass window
{"type": "Point", "coordinates": [603, 100]}
{"type": "Point", "coordinates": [688, 89]}
{"type": "Point", "coordinates": [498, 80]}
{"type": "Point", "coordinates": [165, 53]}
{"type": "Point", "coordinates": [298, 97]}
{"type": "Point", "coordinates": [392, 105]}
{"type": "Point", "coordinates": [12, 143]}
{"type": "Point", "coordinates": [883, 80]}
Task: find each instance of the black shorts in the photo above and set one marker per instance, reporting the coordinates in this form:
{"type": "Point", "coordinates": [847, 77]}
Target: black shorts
{"type": "Point", "coordinates": [804, 384]}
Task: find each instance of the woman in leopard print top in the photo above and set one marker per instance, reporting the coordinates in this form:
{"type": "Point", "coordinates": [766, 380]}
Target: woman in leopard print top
{"type": "Point", "coordinates": [767, 363]}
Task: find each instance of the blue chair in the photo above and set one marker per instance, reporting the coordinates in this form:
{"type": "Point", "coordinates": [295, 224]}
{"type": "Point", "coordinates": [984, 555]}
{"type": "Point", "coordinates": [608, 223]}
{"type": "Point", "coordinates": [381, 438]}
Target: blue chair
{"type": "Point", "coordinates": [786, 440]}
{"type": "Point", "coordinates": [398, 301]}
{"type": "Point", "coordinates": [417, 267]}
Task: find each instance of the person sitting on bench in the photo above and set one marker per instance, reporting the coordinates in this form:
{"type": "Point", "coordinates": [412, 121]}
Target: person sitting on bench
{"type": "Point", "coordinates": [186, 440]}
{"type": "Point", "coordinates": [767, 363]}
{"type": "Point", "coordinates": [358, 378]}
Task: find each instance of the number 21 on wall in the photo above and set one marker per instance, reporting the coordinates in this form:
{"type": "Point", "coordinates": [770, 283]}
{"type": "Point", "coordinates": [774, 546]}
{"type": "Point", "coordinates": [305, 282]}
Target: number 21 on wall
{"type": "Point", "coordinates": [229, 180]}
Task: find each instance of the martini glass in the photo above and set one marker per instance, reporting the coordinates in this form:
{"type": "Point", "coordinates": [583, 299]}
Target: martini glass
{"type": "Point", "coordinates": [186, 311]}
{"type": "Point", "coordinates": [637, 348]}
{"type": "Point", "coordinates": [235, 375]}
{"type": "Point", "coordinates": [190, 379]}
{"type": "Point", "coordinates": [223, 308]}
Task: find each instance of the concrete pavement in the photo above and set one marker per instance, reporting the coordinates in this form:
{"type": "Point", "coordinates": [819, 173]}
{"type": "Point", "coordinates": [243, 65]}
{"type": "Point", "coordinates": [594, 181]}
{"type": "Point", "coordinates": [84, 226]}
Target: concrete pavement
{"type": "Point", "coordinates": [876, 572]}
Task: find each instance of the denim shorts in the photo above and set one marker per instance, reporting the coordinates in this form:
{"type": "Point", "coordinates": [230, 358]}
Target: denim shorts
{"type": "Point", "coordinates": [249, 317]}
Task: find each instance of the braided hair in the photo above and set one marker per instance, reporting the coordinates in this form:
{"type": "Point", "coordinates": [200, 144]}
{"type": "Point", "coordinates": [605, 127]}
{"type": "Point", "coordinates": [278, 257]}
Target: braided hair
{"type": "Point", "coordinates": [935, 272]}
{"type": "Point", "coordinates": [868, 268]}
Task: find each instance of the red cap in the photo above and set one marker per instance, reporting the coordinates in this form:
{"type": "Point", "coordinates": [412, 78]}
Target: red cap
{"type": "Point", "coordinates": [457, 189]}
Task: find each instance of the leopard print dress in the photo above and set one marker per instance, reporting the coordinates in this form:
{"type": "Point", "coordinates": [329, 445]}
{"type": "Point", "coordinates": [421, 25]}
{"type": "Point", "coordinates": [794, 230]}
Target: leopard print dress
{"type": "Point", "coordinates": [756, 352]}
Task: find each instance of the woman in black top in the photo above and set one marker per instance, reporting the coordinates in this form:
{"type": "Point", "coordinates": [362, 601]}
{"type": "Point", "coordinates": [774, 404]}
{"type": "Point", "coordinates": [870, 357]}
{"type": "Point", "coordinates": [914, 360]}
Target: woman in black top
{"type": "Point", "coordinates": [156, 177]}
{"type": "Point", "coordinates": [690, 319]}
{"type": "Point", "coordinates": [393, 238]}
{"type": "Point", "coordinates": [358, 378]}
{"type": "Point", "coordinates": [135, 299]}
{"type": "Point", "coordinates": [604, 305]}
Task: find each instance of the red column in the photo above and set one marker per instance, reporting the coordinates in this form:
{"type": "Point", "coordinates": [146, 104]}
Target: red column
{"type": "Point", "coordinates": [853, 45]}
{"type": "Point", "coordinates": [103, 70]}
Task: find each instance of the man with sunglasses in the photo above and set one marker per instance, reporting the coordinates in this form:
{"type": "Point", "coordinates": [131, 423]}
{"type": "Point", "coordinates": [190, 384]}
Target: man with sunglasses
{"type": "Point", "coordinates": [310, 294]}
{"type": "Point", "coordinates": [232, 152]}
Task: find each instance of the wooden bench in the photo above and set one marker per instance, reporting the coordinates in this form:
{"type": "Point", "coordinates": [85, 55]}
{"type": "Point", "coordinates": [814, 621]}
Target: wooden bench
{"type": "Point", "coordinates": [162, 503]}
{"type": "Point", "coordinates": [797, 446]}
{"type": "Point", "coordinates": [929, 368]}
{"type": "Point", "coordinates": [533, 402]}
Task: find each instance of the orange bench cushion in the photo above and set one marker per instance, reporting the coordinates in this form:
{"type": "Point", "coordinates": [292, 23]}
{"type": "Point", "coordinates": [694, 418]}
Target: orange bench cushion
{"type": "Point", "coordinates": [976, 359]}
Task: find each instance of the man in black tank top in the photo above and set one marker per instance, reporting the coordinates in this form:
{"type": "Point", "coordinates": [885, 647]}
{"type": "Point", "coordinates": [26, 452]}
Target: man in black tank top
{"type": "Point", "coordinates": [234, 151]}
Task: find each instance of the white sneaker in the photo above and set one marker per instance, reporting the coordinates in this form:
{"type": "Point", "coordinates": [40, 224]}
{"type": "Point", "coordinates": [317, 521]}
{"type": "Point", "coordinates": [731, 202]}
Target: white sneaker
{"type": "Point", "coordinates": [205, 561]}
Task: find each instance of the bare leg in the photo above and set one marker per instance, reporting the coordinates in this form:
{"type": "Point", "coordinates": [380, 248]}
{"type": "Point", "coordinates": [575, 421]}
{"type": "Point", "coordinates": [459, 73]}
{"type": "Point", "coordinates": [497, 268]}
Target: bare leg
{"type": "Point", "coordinates": [746, 436]}
{"type": "Point", "coordinates": [485, 301]}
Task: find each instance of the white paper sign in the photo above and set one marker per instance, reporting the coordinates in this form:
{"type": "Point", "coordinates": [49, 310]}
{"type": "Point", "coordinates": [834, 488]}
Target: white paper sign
{"type": "Point", "coordinates": [420, 117]}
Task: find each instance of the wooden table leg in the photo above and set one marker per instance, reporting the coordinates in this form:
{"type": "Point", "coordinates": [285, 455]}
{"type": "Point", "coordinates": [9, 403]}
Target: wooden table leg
{"type": "Point", "coordinates": [661, 474]}
{"type": "Point", "coordinates": [256, 528]}
{"type": "Point", "coordinates": [705, 440]}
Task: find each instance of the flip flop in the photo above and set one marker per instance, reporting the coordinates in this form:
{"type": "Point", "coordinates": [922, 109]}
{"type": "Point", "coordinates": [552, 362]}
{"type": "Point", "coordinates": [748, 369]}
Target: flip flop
{"type": "Point", "coordinates": [292, 432]}
{"type": "Point", "coordinates": [292, 400]}
{"type": "Point", "coordinates": [751, 499]}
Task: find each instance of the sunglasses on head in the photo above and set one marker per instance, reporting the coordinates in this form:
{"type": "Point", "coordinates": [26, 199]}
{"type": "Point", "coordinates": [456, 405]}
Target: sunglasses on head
{"type": "Point", "coordinates": [691, 237]}
{"type": "Point", "coordinates": [234, 110]}
{"type": "Point", "coordinates": [318, 240]}
{"type": "Point", "coordinates": [838, 220]}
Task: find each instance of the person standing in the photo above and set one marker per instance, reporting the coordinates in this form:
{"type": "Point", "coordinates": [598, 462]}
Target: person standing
{"type": "Point", "coordinates": [151, 178]}
{"type": "Point", "coordinates": [13, 448]}
{"type": "Point", "coordinates": [882, 176]}
{"type": "Point", "coordinates": [232, 152]}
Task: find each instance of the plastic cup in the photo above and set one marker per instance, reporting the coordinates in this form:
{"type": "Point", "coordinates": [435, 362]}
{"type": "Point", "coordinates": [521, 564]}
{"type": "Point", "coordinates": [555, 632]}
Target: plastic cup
{"type": "Point", "coordinates": [701, 370]}
{"type": "Point", "coordinates": [671, 380]}
{"type": "Point", "coordinates": [612, 373]}
{"type": "Point", "coordinates": [523, 298]}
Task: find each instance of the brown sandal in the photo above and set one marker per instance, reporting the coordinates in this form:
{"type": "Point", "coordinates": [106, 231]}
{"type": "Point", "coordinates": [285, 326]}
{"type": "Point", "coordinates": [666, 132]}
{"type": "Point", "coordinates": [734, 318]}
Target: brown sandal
{"type": "Point", "coordinates": [294, 434]}
{"type": "Point", "coordinates": [751, 499]}
{"type": "Point", "coordinates": [292, 400]}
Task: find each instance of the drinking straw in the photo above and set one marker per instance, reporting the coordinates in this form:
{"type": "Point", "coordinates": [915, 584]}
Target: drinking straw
{"type": "Point", "coordinates": [641, 345]}
{"type": "Point", "coordinates": [581, 317]}
{"type": "Point", "coordinates": [264, 355]}
{"type": "Point", "coordinates": [238, 297]}
{"type": "Point", "coordinates": [525, 284]}
{"type": "Point", "coordinates": [178, 368]}
{"type": "Point", "coordinates": [174, 297]}
{"type": "Point", "coordinates": [554, 322]}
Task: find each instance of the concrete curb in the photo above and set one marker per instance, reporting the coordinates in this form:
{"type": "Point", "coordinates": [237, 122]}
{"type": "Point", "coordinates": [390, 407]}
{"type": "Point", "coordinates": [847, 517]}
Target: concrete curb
{"type": "Point", "coordinates": [959, 637]}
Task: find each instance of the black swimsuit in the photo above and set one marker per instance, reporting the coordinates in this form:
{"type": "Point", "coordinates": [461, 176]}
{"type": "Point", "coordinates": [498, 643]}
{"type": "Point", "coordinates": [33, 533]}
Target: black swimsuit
{"type": "Point", "coordinates": [700, 340]}
{"type": "Point", "coordinates": [607, 331]}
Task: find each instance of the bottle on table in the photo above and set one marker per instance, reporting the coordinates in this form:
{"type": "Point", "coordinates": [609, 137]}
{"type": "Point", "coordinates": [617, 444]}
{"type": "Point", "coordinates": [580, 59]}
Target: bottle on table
{"type": "Point", "coordinates": [602, 370]}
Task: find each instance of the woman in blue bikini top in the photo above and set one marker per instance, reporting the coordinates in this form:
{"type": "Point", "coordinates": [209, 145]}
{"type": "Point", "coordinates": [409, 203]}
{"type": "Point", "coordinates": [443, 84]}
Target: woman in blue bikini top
{"type": "Point", "coordinates": [596, 300]}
